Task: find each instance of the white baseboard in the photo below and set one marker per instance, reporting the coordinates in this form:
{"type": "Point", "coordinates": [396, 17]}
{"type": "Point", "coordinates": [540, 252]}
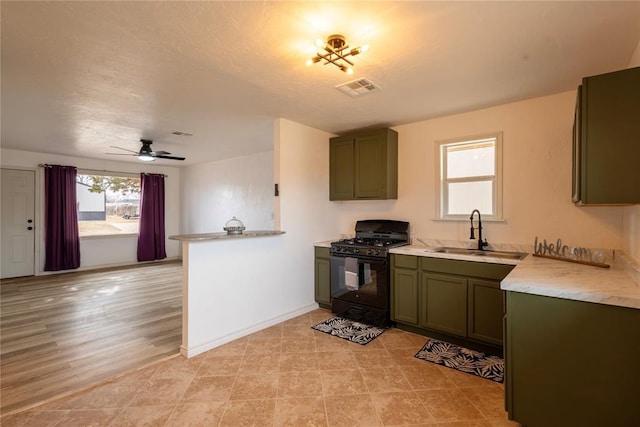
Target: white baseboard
{"type": "Point", "coordinates": [112, 265]}
{"type": "Point", "coordinates": [194, 351]}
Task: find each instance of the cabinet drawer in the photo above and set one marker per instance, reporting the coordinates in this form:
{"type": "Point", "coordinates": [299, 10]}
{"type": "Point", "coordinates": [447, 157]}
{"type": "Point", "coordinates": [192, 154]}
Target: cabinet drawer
{"type": "Point", "coordinates": [405, 261]}
{"type": "Point", "coordinates": [321, 252]}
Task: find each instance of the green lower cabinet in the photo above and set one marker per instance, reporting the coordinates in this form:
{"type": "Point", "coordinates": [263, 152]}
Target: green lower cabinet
{"type": "Point", "coordinates": [485, 310]}
{"type": "Point", "coordinates": [404, 291]}
{"type": "Point", "coordinates": [322, 277]}
{"type": "Point", "coordinates": [456, 298]}
{"type": "Point", "coordinates": [571, 363]}
{"type": "Point", "coordinates": [443, 303]}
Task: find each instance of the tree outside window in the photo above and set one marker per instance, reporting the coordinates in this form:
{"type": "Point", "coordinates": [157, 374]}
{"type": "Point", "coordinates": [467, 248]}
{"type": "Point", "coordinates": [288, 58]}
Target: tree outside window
{"type": "Point", "coordinates": [107, 205]}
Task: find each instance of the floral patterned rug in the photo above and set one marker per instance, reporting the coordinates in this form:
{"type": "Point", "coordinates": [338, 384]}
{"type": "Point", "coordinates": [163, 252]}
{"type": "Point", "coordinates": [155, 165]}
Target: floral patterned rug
{"type": "Point", "coordinates": [463, 359]}
{"type": "Point", "coordinates": [359, 333]}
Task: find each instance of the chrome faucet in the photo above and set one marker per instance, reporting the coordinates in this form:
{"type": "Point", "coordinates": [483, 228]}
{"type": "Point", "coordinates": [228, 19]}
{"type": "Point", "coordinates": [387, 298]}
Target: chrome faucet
{"type": "Point", "coordinates": [481, 244]}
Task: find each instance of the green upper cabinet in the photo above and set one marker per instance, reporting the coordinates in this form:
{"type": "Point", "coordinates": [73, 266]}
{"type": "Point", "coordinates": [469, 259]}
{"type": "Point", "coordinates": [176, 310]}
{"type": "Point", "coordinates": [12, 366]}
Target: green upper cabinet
{"type": "Point", "coordinates": [607, 139]}
{"type": "Point", "coordinates": [364, 166]}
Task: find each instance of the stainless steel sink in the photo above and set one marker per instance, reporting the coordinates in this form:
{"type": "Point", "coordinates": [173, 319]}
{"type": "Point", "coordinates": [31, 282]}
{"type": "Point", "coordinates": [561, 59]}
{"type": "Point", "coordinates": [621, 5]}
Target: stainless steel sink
{"type": "Point", "coordinates": [476, 252]}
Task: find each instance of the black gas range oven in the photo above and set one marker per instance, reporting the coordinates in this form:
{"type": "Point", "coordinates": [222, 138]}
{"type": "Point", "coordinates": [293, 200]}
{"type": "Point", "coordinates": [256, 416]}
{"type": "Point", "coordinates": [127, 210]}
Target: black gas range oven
{"type": "Point", "coordinates": [360, 270]}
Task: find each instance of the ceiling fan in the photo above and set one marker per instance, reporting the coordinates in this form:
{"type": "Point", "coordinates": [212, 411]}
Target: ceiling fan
{"type": "Point", "coordinates": [146, 154]}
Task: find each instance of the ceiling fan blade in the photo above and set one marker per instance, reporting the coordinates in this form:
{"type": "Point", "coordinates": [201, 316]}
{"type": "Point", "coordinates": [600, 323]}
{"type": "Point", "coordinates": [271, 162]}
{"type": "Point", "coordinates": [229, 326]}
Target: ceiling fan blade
{"type": "Point", "coordinates": [169, 157]}
{"type": "Point", "coordinates": [159, 153]}
{"type": "Point", "coordinates": [122, 154]}
{"type": "Point", "coordinates": [124, 149]}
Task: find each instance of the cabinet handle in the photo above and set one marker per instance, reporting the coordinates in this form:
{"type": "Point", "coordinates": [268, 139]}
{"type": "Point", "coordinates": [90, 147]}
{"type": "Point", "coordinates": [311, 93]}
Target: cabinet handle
{"type": "Point", "coordinates": [29, 228]}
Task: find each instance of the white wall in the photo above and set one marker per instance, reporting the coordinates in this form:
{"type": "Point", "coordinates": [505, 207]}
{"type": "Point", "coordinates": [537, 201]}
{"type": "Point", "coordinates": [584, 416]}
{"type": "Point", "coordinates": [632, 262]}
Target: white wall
{"type": "Point", "coordinates": [214, 192]}
{"type": "Point", "coordinates": [537, 146]}
{"type": "Point", "coordinates": [98, 251]}
{"type": "Point", "coordinates": [270, 277]}
{"type": "Point", "coordinates": [631, 219]}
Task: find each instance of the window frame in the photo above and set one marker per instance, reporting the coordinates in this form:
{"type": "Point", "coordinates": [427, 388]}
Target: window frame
{"type": "Point", "coordinates": [442, 193]}
{"type": "Point", "coordinates": [111, 174]}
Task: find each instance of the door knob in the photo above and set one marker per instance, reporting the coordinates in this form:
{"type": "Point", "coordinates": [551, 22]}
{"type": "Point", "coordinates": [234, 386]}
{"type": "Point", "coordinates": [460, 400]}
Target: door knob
{"type": "Point", "coordinates": [29, 228]}
{"type": "Point", "coordinates": [29, 221]}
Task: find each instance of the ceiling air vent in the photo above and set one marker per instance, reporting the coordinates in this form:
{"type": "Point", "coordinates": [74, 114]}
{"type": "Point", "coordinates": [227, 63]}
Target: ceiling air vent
{"type": "Point", "coordinates": [358, 87]}
{"type": "Point", "coordinates": [181, 133]}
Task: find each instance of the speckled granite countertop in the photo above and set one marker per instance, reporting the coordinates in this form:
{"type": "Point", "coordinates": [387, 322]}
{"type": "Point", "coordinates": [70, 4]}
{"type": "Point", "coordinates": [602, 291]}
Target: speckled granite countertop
{"type": "Point", "coordinates": [224, 236]}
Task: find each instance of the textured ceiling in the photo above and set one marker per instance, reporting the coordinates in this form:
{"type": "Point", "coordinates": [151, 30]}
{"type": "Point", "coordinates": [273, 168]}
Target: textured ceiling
{"type": "Point", "coordinates": [78, 77]}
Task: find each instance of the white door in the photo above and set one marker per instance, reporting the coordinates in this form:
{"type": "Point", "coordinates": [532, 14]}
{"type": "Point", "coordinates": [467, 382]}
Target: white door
{"type": "Point", "coordinates": [17, 218]}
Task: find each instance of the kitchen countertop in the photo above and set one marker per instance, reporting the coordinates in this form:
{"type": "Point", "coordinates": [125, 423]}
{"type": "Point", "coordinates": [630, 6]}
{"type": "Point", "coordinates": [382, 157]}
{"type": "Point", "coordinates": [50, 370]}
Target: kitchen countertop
{"type": "Point", "coordinates": [617, 285]}
{"type": "Point", "coordinates": [247, 234]}
{"type": "Point", "coordinates": [325, 244]}
{"type": "Point", "coordinates": [428, 251]}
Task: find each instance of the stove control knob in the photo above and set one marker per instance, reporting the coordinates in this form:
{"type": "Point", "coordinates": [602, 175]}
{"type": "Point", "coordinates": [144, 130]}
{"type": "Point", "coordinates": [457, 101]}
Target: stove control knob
{"type": "Point", "coordinates": [356, 250]}
{"type": "Point", "coordinates": [369, 252]}
{"type": "Point", "coordinates": [377, 251]}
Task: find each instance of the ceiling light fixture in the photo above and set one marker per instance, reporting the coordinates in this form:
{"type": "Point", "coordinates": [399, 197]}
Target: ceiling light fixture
{"type": "Point", "coordinates": [337, 52]}
{"type": "Point", "coordinates": [145, 154]}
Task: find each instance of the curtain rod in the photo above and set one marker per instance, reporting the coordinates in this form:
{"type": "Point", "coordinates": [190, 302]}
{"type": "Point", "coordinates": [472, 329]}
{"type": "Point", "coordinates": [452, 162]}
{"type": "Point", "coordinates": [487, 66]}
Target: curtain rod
{"type": "Point", "coordinates": [46, 165]}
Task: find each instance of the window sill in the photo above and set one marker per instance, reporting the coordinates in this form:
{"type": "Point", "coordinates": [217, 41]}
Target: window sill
{"type": "Point", "coordinates": [107, 236]}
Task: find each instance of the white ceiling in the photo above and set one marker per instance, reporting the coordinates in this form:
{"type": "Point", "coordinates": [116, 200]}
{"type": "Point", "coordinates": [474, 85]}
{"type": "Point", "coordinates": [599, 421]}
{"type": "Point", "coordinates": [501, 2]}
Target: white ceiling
{"type": "Point", "coordinates": [78, 77]}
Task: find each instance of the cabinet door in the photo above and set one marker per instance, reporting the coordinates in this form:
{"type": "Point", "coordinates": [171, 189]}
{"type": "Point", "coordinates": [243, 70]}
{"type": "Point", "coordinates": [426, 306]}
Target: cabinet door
{"type": "Point", "coordinates": [322, 278]}
{"type": "Point", "coordinates": [404, 296]}
{"type": "Point", "coordinates": [370, 166]}
{"type": "Point", "coordinates": [443, 303]}
{"type": "Point", "coordinates": [341, 168]}
{"type": "Point", "coordinates": [486, 310]}
{"type": "Point", "coordinates": [610, 131]}
{"type": "Point", "coordinates": [571, 363]}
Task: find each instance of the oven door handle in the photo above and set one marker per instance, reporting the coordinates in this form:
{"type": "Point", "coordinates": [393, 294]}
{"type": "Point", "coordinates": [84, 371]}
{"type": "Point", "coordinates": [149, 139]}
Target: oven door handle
{"type": "Point", "coordinates": [373, 260]}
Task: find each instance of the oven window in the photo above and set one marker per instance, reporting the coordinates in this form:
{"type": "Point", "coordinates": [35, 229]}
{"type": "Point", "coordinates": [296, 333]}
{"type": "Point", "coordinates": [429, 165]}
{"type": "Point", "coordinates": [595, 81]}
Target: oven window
{"type": "Point", "coordinates": [359, 280]}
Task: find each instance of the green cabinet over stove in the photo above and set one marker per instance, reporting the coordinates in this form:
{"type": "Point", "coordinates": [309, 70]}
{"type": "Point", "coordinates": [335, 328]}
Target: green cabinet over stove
{"type": "Point", "coordinates": [364, 166]}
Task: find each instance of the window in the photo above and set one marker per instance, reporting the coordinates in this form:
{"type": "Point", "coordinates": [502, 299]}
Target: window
{"type": "Point", "coordinates": [107, 204]}
{"type": "Point", "coordinates": [470, 177]}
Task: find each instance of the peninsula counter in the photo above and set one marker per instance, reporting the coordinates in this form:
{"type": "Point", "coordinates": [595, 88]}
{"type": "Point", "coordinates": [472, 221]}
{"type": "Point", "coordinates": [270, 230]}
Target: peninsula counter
{"type": "Point", "coordinates": [234, 285]}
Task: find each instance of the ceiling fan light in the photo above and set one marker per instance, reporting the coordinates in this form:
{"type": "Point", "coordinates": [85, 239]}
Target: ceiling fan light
{"type": "Point", "coordinates": [146, 157]}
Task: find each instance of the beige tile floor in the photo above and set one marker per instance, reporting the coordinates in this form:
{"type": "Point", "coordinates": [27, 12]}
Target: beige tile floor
{"type": "Point", "coordinates": [286, 375]}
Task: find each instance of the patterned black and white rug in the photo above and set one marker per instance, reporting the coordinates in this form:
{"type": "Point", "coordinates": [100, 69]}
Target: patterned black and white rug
{"type": "Point", "coordinates": [359, 333]}
{"type": "Point", "coordinates": [463, 359]}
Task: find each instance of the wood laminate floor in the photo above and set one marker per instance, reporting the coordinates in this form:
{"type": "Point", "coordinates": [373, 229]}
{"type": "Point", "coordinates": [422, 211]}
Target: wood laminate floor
{"type": "Point", "coordinates": [62, 332]}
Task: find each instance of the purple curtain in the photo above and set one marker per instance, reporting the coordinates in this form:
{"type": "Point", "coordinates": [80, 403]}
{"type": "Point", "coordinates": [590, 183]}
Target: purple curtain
{"type": "Point", "coordinates": [151, 229]}
{"type": "Point", "coordinates": [62, 242]}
